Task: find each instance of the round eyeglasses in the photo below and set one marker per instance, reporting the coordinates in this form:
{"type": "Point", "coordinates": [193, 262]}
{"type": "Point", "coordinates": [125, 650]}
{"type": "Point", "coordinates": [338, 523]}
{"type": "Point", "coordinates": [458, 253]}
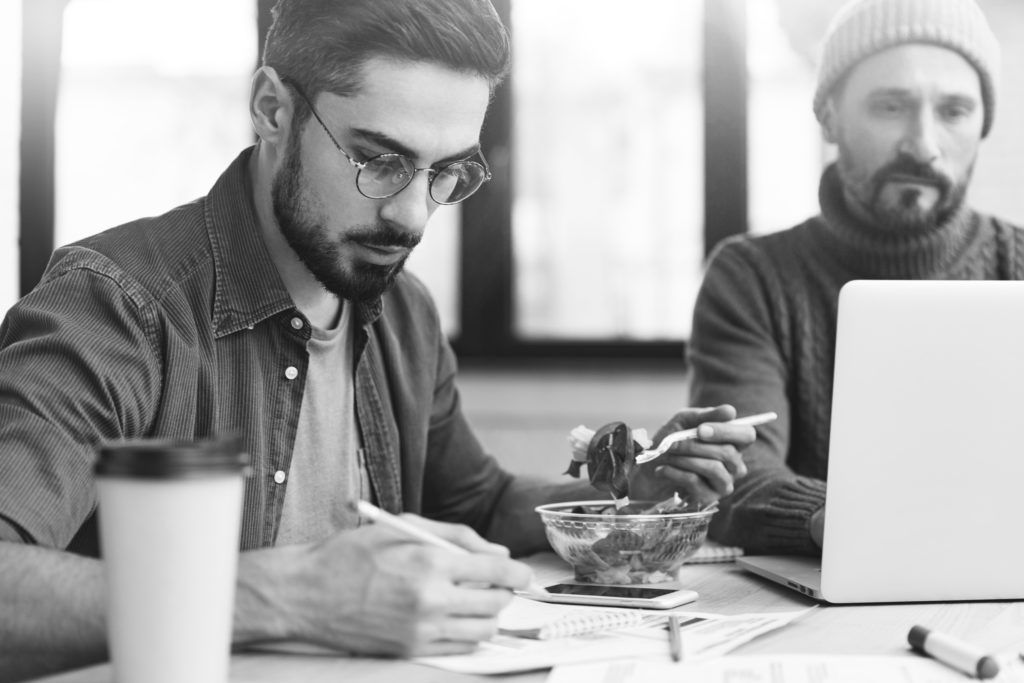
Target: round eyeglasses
{"type": "Point", "coordinates": [385, 175]}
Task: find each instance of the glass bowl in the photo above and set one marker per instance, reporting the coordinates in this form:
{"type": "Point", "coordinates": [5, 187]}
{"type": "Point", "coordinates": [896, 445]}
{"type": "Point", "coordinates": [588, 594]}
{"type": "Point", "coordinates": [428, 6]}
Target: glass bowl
{"type": "Point", "coordinates": [622, 549]}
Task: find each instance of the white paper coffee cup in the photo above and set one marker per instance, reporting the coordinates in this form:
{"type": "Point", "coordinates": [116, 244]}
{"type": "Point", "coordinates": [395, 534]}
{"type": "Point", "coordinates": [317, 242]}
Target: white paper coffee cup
{"type": "Point", "coordinates": [169, 516]}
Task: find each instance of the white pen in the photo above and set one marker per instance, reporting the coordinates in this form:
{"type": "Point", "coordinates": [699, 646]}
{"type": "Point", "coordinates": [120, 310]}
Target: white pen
{"type": "Point", "coordinates": [375, 514]}
{"type": "Point", "coordinates": [687, 434]}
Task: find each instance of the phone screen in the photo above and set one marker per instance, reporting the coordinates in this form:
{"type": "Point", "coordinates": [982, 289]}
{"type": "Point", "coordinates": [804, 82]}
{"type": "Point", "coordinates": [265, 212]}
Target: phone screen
{"type": "Point", "coordinates": [634, 592]}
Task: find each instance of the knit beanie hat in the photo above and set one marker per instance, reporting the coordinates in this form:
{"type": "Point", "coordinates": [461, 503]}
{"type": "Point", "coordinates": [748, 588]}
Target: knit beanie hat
{"type": "Point", "coordinates": [863, 27]}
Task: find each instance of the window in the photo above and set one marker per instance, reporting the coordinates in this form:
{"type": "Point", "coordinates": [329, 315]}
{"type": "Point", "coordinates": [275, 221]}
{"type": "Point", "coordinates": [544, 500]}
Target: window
{"type": "Point", "coordinates": [786, 152]}
{"type": "Point", "coordinates": [435, 261]}
{"type": "Point", "coordinates": [10, 127]}
{"type": "Point", "coordinates": [995, 187]}
{"type": "Point", "coordinates": [607, 220]}
{"type": "Point", "coordinates": [152, 106]}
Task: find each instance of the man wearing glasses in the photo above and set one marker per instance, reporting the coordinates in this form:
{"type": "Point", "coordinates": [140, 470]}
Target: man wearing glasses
{"type": "Point", "coordinates": [276, 308]}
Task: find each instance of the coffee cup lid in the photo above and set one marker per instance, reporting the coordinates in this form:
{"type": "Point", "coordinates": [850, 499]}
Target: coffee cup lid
{"type": "Point", "coordinates": [171, 459]}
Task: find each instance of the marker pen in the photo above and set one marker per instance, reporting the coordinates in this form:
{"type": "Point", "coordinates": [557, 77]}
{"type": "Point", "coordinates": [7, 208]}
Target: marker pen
{"type": "Point", "coordinates": [953, 652]}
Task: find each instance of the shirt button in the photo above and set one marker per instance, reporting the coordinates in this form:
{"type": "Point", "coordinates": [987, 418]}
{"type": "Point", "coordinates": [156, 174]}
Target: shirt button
{"type": "Point", "coordinates": [279, 476]}
{"type": "Point", "coordinates": [291, 372]}
{"type": "Point", "coordinates": [296, 323]}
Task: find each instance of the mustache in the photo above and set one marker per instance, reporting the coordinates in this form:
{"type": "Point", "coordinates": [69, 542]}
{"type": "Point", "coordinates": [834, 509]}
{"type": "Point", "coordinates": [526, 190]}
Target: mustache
{"type": "Point", "coordinates": [384, 235]}
{"type": "Point", "coordinates": [904, 165]}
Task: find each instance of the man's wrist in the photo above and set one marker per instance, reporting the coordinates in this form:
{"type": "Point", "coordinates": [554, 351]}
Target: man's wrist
{"type": "Point", "coordinates": [264, 578]}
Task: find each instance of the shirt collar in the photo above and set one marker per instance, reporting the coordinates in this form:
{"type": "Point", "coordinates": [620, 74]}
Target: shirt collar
{"type": "Point", "coordinates": [248, 288]}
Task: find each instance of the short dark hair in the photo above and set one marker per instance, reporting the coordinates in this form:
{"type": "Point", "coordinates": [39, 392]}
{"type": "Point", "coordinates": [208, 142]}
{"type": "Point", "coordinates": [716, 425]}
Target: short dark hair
{"type": "Point", "coordinates": [321, 45]}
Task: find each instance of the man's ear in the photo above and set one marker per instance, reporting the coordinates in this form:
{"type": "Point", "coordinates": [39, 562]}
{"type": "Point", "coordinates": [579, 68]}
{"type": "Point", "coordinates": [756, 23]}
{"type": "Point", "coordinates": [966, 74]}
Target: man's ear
{"type": "Point", "coordinates": [270, 106]}
{"type": "Point", "coordinates": [829, 121]}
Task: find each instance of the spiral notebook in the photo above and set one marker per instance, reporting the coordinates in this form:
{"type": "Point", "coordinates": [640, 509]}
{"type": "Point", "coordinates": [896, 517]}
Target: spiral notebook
{"type": "Point", "coordinates": [581, 623]}
{"type": "Point", "coordinates": [601, 635]}
{"type": "Point", "coordinates": [715, 552]}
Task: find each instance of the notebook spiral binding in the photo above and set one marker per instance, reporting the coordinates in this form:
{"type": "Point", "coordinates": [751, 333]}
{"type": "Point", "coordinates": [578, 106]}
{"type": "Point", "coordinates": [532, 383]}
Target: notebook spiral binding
{"type": "Point", "coordinates": [581, 624]}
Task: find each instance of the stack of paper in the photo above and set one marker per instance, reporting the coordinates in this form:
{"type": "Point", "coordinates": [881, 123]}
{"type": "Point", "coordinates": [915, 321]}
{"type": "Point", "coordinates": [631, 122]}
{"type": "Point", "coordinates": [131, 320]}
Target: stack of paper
{"type": "Point", "coordinates": [705, 636]}
{"type": "Point", "coordinates": [774, 669]}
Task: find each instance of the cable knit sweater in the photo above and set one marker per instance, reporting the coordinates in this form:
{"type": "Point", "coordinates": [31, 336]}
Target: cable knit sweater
{"type": "Point", "coordinates": [764, 339]}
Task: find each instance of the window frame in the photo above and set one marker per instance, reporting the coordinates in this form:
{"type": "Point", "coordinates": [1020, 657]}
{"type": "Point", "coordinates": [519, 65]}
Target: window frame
{"type": "Point", "coordinates": [486, 258]}
{"type": "Point", "coordinates": [486, 287]}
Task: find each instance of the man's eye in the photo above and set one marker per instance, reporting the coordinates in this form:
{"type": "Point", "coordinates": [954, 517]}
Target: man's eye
{"type": "Point", "coordinates": [955, 112]}
{"type": "Point", "coordinates": [887, 107]}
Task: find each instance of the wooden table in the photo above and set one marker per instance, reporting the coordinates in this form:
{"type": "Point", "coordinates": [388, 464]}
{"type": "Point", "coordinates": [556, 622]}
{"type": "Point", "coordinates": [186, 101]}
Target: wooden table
{"type": "Point", "coordinates": [723, 588]}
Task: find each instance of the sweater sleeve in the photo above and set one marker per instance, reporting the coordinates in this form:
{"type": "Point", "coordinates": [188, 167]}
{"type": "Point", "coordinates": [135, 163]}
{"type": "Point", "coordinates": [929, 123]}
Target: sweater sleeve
{"type": "Point", "coordinates": [737, 356]}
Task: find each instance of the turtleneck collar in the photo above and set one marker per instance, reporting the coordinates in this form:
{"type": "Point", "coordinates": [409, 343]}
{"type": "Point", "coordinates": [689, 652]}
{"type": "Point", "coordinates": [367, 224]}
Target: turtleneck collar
{"type": "Point", "coordinates": [877, 253]}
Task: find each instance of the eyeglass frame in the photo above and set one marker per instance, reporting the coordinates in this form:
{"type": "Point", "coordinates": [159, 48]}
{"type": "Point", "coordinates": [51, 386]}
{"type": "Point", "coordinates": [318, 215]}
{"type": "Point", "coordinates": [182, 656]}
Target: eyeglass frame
{"type": "Point", "coordinates": [360, 165]}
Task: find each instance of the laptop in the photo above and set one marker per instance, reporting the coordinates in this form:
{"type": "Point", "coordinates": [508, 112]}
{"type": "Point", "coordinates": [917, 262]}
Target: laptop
{"type": "Point", "coordinates": [926, 454]}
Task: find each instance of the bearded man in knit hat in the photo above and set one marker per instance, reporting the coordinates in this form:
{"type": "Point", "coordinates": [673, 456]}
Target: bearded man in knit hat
{"type": "Point", "coordinates": [906, 90]}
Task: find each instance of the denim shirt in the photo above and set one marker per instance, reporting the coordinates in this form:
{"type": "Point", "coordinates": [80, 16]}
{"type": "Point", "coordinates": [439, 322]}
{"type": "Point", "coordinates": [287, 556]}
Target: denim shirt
{"type": "Point", "coordinates": [179, 327]}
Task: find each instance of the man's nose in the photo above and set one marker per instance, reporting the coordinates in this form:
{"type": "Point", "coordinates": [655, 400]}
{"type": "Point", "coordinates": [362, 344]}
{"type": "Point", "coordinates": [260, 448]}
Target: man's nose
{"type": "Point", "coordinates": [409, 209]}
{"type": "Point", "coordinates": [921, 140]}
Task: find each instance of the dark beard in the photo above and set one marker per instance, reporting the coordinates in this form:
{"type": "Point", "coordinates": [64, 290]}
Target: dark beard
{"type": "Point", "coordinates": [362, 282]}
{"type": "Point", "coordinates": [905, 215]}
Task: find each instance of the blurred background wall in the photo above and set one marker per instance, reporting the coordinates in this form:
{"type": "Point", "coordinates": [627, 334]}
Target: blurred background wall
{"type": "Point", "coordinates": [630, 138]}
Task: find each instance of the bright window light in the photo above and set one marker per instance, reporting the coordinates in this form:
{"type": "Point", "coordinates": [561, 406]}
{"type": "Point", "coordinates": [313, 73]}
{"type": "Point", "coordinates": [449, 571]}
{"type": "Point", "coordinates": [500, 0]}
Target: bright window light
{"type": "Point", "coordinates": [10, 125]}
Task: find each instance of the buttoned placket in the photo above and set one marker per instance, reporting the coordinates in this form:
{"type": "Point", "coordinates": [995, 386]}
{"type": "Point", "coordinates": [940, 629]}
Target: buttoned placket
{"type": "Point", "coordinates": [292, 382]}
{"type": "Point", "coordinates": [375, 417]}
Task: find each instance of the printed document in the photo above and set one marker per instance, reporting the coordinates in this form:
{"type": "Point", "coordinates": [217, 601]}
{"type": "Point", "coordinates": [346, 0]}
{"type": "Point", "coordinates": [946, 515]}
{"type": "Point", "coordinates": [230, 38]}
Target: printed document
{"type": "Point", "coordinates": [776, 669]}
{"type": "Point", "coordinates": [706, 635]}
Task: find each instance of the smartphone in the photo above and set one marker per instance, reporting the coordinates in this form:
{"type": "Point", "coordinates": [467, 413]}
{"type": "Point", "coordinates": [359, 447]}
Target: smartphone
{"type": "Point", "coordinates": [616, 596]}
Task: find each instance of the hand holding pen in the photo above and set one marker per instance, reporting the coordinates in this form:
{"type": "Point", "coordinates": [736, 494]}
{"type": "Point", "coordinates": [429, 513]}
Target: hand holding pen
{"type": "Point", "coordinates": [370, 591]}
{"type": "Point", "coordinates": [375, 514]}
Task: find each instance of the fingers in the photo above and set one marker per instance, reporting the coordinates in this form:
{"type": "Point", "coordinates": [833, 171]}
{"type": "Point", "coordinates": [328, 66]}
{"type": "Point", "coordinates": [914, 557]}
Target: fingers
{"type": "Point", "coordinates": [452, 635]}
{"type": "Point", "coordinates": [488, 570]}
{"type": "Point", "coordinates": [373, 590]}
{"type": "Point", "coordinates": [704, 467]}
{"type": "Point", "coordinates": [688, 418]}
{"type": "Point", "coordinates": [484, 563]}
{"type": "Point", "coordinates": [738, 436]}
{"type": "Point", "coordinates": [473, 600]}
{"type": "Point", "coordinates": [690, 485]}
{"type": "Point", "coordinates": [432, 648]}
{"type": "Point", "coordinates": [716, 438]}
{"type": "Point", "coordinates": [459, 534]}
{"type": "Point", "coordinates": [693, 455]}
{"type": "Point", "coordinates": [456, 605]}
{"type": "Point", "coordinates": [711, 474]}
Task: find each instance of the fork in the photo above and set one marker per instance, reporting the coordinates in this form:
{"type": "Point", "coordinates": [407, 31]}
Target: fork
{"type": "Point", "coordinates": [687, 434]}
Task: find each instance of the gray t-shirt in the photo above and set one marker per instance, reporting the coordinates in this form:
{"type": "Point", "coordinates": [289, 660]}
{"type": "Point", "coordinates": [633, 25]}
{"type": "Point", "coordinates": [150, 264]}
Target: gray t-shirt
{"type": "Point", "coordinates": [327, 471]}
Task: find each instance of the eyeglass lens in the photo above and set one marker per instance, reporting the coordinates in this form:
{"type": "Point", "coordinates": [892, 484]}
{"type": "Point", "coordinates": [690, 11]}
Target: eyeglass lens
{"type": "Point", "coordinates": [387, 174]}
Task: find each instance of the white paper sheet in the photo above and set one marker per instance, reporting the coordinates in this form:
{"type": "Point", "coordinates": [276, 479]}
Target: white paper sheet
{"type": "Point", "coordinates": [777, 669]}
{"type": "Point", "coordinates": [707, 635]}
